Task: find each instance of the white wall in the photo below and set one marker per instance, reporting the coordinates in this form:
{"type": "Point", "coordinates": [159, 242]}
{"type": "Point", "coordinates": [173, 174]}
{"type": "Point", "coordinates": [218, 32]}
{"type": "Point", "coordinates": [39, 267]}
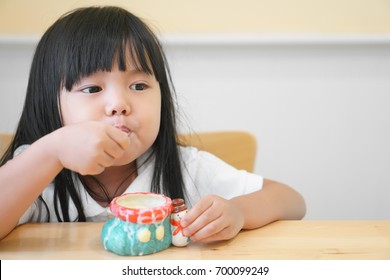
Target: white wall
{"type": "Point", "coordinates": [319, 107]}
{"type": "Point", "coordinates": [15, 59]}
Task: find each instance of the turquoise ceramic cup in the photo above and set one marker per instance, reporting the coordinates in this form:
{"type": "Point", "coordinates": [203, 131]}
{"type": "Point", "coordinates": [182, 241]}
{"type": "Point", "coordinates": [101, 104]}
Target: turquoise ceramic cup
{"type": "Point", "coordinates": [140, 226]}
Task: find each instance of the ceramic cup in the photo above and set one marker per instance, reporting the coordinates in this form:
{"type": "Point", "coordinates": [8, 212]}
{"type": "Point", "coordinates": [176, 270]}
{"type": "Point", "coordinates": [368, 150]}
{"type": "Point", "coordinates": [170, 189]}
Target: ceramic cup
{"type": "Point", "coordinates": [140, 226]}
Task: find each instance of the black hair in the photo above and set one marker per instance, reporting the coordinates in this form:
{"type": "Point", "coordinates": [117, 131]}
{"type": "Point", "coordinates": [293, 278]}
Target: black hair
{"type": "Point", "coordinates": [78, 44]}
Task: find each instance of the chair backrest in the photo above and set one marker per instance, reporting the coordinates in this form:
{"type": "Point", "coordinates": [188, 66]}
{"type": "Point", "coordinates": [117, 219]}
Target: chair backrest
{"type": "Point", "coordinates": [238, 148]}
{"type": "Point", "coordinates": [5, 140]}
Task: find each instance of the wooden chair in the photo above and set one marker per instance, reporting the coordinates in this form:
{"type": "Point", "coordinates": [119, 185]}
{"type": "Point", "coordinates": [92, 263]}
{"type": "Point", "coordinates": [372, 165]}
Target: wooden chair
{"type": "Point", "coordinates": [237, 148]}
{"type": "Point", "coordinates": [5, 140]}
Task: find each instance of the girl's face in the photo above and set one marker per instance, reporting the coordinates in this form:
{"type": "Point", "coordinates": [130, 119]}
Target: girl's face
{"type": "Point", "coordinates": [129, 100]}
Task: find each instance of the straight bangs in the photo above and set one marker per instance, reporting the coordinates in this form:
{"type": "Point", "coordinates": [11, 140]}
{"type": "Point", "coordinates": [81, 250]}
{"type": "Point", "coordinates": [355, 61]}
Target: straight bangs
{"type": "Point", "coordinates": [101, 38]}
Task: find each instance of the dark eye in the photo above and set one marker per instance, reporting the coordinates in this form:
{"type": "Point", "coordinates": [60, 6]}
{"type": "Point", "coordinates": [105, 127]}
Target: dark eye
{"type": "Point", "coordinates": [92, 89]}
{"type": "Point", "coordinates": [139, 86]}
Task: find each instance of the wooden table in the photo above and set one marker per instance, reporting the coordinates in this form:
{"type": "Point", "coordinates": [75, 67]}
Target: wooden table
{"type": "Point", "coordinates": [286, 240]}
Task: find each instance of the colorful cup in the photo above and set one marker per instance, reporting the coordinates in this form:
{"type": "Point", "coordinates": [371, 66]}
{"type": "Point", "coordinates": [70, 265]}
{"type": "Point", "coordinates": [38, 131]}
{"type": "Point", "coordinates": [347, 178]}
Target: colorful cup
{"type": "Point", "coordinates": [140, 226]}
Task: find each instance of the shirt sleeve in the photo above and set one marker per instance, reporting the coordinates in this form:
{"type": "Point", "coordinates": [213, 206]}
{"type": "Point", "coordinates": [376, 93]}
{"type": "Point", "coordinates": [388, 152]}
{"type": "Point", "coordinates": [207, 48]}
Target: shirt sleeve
{"type": "Point", "coordinates": [36, 213]}
{"type": "Point", "coordinates": [206, 174]}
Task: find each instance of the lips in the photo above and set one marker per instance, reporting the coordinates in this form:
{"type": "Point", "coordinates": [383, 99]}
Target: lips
{"type": "Point", "coordinates": [123, 128]}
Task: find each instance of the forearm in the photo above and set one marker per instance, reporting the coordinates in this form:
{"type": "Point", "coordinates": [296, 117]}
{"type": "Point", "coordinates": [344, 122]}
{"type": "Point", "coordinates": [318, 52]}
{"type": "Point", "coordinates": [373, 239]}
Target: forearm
{"type": "Point", "coordinates": [22, 180]}
{"type": "Point", "coordinates": [273, 202]}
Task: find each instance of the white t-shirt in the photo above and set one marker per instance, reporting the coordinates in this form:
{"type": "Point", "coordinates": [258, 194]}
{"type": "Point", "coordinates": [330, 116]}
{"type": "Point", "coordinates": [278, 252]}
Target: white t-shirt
{"type": "Point", "coordinates": [203, 174]}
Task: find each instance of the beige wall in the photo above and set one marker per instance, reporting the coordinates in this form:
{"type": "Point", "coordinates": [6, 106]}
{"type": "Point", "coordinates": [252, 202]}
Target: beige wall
{"type": "Point", "coordinates": [216, 16]}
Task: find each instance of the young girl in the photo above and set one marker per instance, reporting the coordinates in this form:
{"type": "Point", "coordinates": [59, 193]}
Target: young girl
{"type": "Point", "coordinates": [99, 121]}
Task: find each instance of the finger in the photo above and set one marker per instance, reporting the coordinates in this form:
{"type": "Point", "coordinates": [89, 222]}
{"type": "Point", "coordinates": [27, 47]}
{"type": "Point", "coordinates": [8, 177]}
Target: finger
{"type": "Point", "coordinates": [119, 137]}
{"type": "Point", "coordinates": [96, 169]}
{"type": "Point", "coordinates": [202, 221]}
{"type": "Point", "coordinates": [105, 160]}
{"type": "Point", "coordinates": [112, 148]}
{"type": "Point", "coordinates": [210, 231]}
{"type": "Point", "coordinates": [224, 234]}
{"type": "Point", "coordinates": [96, 164]}
{"type": "Point", "coordinates": [200, 207]}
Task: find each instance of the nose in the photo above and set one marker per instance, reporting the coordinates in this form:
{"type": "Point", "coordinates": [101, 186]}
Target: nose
{"type": "Point", "coordinates": [118, 104]}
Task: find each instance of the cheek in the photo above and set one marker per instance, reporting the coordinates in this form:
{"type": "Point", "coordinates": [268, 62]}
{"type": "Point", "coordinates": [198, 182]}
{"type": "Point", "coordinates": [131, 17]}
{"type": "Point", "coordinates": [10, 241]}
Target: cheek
{"type": "Point", "coordinates": [151, 127]}
{"type": "Point", "coordinates": [157, 120]}
{"type": "Point", "coordinates": [65, 110]}
{"type": "Point", "coordinates": [154, 117]}
{"type": "Point", "coordinates": [70, 114]}
{"type": "Point", "coordinates": [75, 111]}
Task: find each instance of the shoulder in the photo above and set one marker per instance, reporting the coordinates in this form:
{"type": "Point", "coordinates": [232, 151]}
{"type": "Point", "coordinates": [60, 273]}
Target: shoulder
{"type": "Point", "coordinates": [209, 174]}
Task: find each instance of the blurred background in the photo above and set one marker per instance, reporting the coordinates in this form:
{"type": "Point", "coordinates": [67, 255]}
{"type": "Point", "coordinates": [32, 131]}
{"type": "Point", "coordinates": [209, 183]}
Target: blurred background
{"type": "Point", "coordinates": [309, 78]}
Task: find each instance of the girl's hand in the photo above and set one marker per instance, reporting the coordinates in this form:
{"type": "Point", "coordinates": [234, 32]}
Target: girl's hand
{"type": "Point", "coordinates": [89, 147]}
{"type": "Point", "coordinates": [213, 218]}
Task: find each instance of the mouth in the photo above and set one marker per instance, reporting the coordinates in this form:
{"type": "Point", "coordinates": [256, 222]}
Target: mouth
{"type": "Point", "coordinates": [125, 129]}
